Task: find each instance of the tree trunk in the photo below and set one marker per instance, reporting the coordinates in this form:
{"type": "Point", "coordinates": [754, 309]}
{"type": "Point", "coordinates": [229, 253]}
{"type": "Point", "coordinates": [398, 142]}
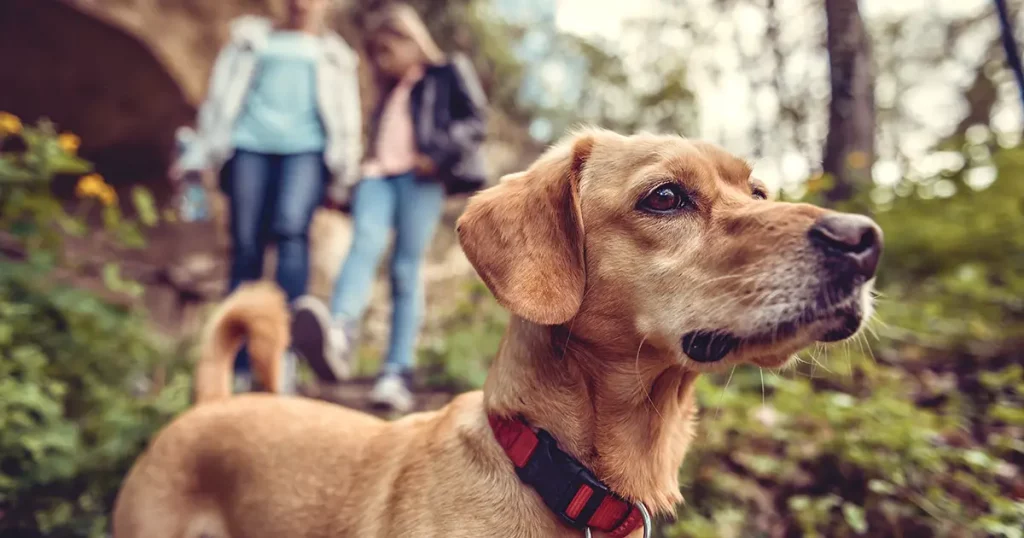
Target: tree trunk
{"type": "Point", "coordinates": [850, 143]}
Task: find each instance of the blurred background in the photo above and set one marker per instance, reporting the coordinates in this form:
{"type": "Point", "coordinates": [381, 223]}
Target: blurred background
{"type": "Point", "coordinates": [906, 110]}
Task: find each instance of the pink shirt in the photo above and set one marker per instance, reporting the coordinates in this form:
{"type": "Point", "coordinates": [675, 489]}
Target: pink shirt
{"type": "Point", "coordinates": [395, 147]}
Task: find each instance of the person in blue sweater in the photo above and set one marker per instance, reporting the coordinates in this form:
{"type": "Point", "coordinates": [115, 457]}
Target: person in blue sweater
{"type": "Point", "coordinates": [281, 124]}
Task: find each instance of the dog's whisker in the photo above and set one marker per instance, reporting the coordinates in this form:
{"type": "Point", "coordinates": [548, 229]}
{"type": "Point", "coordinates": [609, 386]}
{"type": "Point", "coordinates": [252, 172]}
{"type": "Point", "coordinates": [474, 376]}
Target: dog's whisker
{"type": "Point", "coordinates": [568, 337]}
{"type": "Point", "coordinates": [867, 347]}
{"type": "Point", "coordinates": [721, 396]}
{"type": "Point", "coordinates": [821, 350]}
{"type": "Point", "coordinates": [859, 341]}
{"type": "Point", "coordinates": [572, 323]}
{"type": "Point", "coordinates": [640, 380]}
{"type": "Point", "coordinates": [763, 397]}
{"type": "Point", "coordinates": [873, 324]}
{"type": "Point", "coordinates": [752, 277]}
{"type": "Point", "coordinates": [881, 322]}
{"type": "Point", "coordinates": [849, 359]}
{"type": "Point", "coordinates": [795, 359]}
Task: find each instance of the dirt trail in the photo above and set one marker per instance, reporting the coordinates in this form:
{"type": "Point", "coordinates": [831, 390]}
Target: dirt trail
{"type": "Point", "coordinates": [354, 394]}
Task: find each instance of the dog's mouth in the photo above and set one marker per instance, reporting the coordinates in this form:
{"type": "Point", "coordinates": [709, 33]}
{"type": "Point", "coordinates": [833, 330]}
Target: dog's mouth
{"type": "Point", "coordinates": [817, 323]}
{"type": "Point", "coordinates": [709, 346]}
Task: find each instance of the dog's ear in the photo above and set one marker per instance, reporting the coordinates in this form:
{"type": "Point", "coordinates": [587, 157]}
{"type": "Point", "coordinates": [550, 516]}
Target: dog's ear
{"type": "Point", "coordinates": [524, 236]}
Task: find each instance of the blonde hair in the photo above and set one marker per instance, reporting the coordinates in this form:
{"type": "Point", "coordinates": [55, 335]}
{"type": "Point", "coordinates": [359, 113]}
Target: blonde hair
{"type": "Point", "coordinates": [402, 19]}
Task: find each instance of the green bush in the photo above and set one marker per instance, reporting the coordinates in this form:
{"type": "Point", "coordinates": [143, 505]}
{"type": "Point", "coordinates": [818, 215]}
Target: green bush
{"type": "Point", "coordinates": [953, 271]}
{"type": "Point", "coordinates": [822, 459]}
{"type": "Point", "coordinates": [472, 334]}
{"type": "Point", "coordinates": [71, 418]}
{"type": "Point", "coordinates": [73, 413]}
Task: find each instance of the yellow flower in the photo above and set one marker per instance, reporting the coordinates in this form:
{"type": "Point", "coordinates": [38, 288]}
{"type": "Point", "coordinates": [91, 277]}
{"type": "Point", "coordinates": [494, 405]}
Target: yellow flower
{"type": "Point", "coordinates": [9, 123]}
{"type": "Point", "coordinates": [90, 186]}
{"type": "Point", "coordinates": [69, 142]}
{"type": "Point", "coordinates": [107, 196]}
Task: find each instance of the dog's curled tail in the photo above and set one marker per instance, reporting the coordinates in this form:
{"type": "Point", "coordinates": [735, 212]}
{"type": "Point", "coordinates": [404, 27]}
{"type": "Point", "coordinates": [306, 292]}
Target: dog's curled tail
{"type": "Point", "coordinates": [256, 314]}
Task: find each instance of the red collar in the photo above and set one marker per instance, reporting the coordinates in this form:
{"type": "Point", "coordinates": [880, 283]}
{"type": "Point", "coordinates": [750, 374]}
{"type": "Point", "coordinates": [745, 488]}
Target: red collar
{"type": "Point", "coordinates": [566, 486]}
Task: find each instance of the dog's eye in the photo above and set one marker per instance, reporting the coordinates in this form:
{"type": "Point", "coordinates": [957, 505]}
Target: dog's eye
{"type": "Point", "coordinates": [760, 194]}
{"type": "Point", "coordinates": [664, 199]}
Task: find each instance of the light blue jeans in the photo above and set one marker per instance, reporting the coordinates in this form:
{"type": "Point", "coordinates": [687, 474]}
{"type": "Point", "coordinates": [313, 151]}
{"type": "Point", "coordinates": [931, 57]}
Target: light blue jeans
{"type": "Point", "coordinates": [412, 208]}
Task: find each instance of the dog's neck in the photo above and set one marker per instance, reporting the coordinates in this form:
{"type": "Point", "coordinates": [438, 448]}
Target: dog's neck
{"type": "Point", "coordinates": [624, 414]}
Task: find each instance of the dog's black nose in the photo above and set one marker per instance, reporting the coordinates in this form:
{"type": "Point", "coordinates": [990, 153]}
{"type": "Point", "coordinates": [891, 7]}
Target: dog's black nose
{"type": "Point", "coordinates": [853, 238]}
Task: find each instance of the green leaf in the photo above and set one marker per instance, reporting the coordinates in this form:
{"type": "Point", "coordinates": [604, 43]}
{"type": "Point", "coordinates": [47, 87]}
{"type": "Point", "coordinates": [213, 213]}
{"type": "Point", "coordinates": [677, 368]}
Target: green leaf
{"type": "Point", "coordinates": [43, 260]}
{"type": "Point", "coordinates": [854, 516]}
{"type": "Point", "coordinates": [62, 163]}
{"type": "Point", "coordinates": [111, 217]}
{"type": "Point", "coordinates": [129, 235]}
{"type": "Point", "coordinates": [13, 171]}
{"type": "Point", "coordinates": [72, 226]}
{"type": "Point", "coordinates": [881, 487]}
{"type": "Point", "coordinates": [978, 459]}
{"type": "Point", "coordinates": [115, 282]}
{"type": "Point", "coordinates": [145, 206]}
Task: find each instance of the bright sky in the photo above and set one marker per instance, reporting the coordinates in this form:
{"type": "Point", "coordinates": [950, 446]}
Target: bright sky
{"type": "Point", "coordinates": [598, 17]}
{"type": "Point", "coordinates": [605, 17]}
{"type": "Point", "coordinates": [717, 102]}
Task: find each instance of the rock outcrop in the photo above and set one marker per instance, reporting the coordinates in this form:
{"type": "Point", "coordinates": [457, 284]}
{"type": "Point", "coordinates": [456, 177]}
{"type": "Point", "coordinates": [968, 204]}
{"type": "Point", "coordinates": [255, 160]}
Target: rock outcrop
{"type": "Point", "coordinates": [94, 78]}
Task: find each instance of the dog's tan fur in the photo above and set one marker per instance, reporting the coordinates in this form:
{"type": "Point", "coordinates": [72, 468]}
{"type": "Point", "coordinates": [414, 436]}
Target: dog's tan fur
{"type": "Point", "coordinates": [257, 315]}
{"type": "Point", "coordinates": [600, 296]}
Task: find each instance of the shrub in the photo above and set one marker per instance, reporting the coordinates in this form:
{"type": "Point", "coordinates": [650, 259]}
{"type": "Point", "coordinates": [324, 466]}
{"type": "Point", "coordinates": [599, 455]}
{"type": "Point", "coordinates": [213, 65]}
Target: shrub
{"type": "Point", "coordinates": [71, 421]}
{"type": "Point", "coordinates": [472, 333]}
{"type": "Point", "coordinates": [72, 418]}
{"type": "Point", "coordinates": [863, 459]}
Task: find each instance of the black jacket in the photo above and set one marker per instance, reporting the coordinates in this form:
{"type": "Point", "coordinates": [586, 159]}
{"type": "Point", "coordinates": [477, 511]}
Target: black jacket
{"type": "Point", "coordinates": [448, 112]}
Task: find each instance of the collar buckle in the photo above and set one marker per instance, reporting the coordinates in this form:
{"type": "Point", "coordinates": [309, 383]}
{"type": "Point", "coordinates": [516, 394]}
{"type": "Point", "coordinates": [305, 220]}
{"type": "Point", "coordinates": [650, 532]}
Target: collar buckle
{"type": "Point", "coordinates": [566, 486]}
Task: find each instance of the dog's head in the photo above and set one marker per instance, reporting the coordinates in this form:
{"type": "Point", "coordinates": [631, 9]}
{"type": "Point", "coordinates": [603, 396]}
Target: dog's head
{"type": "Point", "coordinates": [670, 243]}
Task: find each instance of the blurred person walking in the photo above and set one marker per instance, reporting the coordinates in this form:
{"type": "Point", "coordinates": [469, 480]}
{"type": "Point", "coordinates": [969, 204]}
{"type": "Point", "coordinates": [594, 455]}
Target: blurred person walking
{"type": "Point", "coordinates": [425, 143]}
{"type": "Point", "coordinates": [282, 124]}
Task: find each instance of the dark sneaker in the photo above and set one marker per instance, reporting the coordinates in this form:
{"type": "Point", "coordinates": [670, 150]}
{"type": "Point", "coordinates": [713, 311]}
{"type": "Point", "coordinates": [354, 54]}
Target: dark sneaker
{"type": "Point", "coordinates": [325, 347]}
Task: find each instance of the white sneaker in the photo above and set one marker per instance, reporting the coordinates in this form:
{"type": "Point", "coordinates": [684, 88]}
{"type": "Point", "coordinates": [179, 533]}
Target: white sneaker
{"type": "Point", "coordinates": [289, 380]}
{"type": "Point", "coordinates": [326, 348]}
{"type": "Point", "coordinates": [242, 382]}
{"type": "Point", "coordinates": [390, 392]}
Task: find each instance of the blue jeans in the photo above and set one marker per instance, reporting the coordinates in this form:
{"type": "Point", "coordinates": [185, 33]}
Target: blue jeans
{"type": "Point", "coordinates": [272, 198]}
{"type": "Point", "coordinates": [412, 208]}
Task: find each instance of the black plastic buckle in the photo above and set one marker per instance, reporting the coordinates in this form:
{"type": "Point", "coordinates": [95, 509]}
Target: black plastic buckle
{"type": "Point", "coordinates": [557, 477]}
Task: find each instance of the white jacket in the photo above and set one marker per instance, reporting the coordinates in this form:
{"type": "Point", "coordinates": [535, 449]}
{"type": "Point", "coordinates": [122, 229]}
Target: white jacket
{"type": "Point", "coordinates": [337, 93]}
